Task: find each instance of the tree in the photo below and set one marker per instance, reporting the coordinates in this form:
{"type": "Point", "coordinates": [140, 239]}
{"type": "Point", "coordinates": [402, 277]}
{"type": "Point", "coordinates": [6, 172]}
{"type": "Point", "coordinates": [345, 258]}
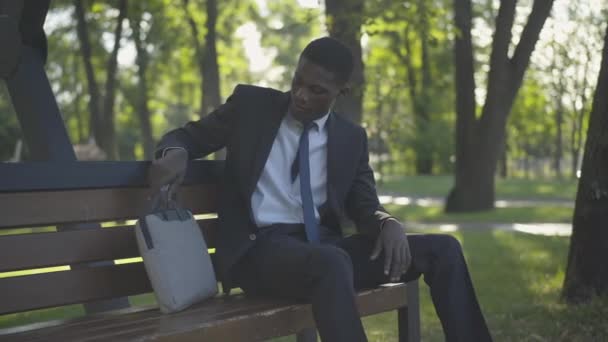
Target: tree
{"type": "Point", "coordinates": [344, 20]}
{"type": "Point", "coordinates": [142, 60]}
{"type": "Point", "coordinates": [415, 29]}
{"type": "Point", "coordinates": [587, 270]}
{"type": "Point", "coordinates": [102, 117]}
{"type": "Point", "coordinates": [206, 55]}
{"type": "Point", "coordinates": [480, 140]}
{"type": "Point", "coordinates": [286, 28]}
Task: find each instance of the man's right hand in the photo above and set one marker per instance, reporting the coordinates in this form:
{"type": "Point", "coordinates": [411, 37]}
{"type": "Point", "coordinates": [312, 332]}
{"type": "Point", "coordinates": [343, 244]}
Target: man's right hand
{"type": "Point", "coordinates": [169, 169]}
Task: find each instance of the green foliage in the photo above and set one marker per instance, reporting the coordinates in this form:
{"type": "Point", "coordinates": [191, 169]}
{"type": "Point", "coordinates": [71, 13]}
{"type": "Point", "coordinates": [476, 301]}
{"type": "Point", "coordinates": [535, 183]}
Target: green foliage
{"type": "Point", "coordinates": [532, 125]}
{"type": "Point", "coordinates": [394, 90]}
{"type": "Point", "coordinates": [286, 29]}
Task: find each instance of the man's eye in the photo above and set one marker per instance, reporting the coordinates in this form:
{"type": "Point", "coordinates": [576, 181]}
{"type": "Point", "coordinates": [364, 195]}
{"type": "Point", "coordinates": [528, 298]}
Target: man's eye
{"type": "Point", "coordinates": [317, 90]}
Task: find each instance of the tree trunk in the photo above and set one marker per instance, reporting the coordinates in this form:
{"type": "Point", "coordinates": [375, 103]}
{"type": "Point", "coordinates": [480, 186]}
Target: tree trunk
{"type": "Point", "coordinates": [211, 78]}
{"type": "Point", "coordinates": [344, 20]}
{"type": "Point", "coordinates": [102, 117]}
{"type": "Point", "coordinates": [143, 112]}
{"type": "Point", "coordinates": [206, 57]}
{"type": "Point", "coordinates": [577, 131]}
{"type": "Point", "coordinates": [109, 141]}
{"type": "Point", "coordinates": [95, 123]}
{"type": "Point", "coordinates": [479, 141]}
{"type": "Point", "coordinates": [419, 93]}
{"type": "Point", "coordinates": [504, 160]}
{"type": "Point", "coordinates": [198, 50]}
{"type": "Point", "coordinates": [587, 270]}
{"type": "Point", "coordinates": [560, 89]}
{"type": "Point", "coordinates": [559, 119]}
{"type": "Point", "coordinates": [78, 104]}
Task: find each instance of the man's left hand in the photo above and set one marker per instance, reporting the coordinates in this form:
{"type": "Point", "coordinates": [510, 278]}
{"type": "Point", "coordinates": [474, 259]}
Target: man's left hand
{"type": "Point", "coordinates": [393, 241]}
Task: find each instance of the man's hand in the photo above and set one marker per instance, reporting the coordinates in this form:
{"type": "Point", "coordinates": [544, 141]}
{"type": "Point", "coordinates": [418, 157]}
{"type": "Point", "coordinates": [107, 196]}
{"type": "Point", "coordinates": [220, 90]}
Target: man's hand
{"type": "Point", "coordinates": [393, 242]}
{"type": "Point", "coordinates": [170, 169]}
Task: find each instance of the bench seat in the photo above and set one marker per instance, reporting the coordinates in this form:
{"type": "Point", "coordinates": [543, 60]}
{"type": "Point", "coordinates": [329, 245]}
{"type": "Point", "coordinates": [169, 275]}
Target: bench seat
{"type": "Point", "coordinates": [225, 318]}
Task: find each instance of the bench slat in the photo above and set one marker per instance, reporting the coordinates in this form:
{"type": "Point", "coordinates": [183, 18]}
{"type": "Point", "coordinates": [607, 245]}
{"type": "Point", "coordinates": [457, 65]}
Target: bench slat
{"type": "Point", "coordinates": [78, 175]}
{"type": "Point", "coordinates": [235, 318]}
{"type": "Point", "coordinates": [56, 207]}
{"type": "Point", "coordinates": [28, 251]}
{"type": "Point", "coordinates": [70, 287]}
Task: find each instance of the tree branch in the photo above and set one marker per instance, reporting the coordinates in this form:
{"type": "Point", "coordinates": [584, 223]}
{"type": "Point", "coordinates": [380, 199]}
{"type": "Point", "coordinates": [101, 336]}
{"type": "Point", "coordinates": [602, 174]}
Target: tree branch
{"type": "Point", "coordinates": [521, 57]}
{"type": "Point", "coordinates": [502, 35]}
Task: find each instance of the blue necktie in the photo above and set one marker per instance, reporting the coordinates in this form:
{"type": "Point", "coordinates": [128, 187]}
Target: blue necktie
{"type": "Point", "coordinates": [301, 165]}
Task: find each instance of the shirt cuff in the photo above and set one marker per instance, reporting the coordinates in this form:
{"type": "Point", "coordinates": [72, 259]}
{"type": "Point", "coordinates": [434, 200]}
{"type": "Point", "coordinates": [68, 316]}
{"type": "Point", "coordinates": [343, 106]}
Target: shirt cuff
{"type": "Point", "coordinates": [162, 152]}
{"type": "Point", "coordinates": [386, 220]}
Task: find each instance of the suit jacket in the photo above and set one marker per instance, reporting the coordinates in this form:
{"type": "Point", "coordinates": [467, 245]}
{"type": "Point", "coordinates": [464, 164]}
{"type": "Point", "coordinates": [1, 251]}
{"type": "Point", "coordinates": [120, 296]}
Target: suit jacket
{"type": "Point", "coordinates": [247, 125]}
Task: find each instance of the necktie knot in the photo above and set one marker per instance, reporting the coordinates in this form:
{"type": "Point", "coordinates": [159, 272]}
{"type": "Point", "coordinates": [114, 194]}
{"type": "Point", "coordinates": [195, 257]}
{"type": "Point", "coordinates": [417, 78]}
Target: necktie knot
{"type": "Point", "coordinates": [295, 166]}
{"type": "Point", "coordinates": [308, 125]}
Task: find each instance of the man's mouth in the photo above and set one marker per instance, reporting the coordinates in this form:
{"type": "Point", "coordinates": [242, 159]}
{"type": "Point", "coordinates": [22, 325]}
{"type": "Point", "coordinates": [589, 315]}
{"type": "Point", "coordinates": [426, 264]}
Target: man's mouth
{"type": "Point", "coordinates": [300, 107]}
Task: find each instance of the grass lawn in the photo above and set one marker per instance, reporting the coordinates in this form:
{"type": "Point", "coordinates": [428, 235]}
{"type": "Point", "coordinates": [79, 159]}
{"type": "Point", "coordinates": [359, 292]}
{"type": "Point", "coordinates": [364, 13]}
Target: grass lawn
{"type": "Point", "coordinates": [417, 213]}
{"type": "Point", "coordinates": [511, 188]}
{"type": "Point", "coordinates": [517, 277]}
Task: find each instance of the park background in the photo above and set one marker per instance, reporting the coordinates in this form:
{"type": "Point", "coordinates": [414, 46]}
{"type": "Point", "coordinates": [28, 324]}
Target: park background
{"type": "Point", "coordinates": [484, 119]}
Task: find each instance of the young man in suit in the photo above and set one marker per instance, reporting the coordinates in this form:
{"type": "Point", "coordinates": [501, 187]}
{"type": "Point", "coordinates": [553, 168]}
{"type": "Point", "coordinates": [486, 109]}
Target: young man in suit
{"type": "Point", "coordinates": [294, 169]}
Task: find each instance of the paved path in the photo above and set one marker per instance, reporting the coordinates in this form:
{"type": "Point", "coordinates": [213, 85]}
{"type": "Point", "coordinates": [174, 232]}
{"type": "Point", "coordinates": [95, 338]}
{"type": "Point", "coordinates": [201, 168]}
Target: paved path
{"type": "Point", "coordinates": [544, 228]}
{"type": "Point", "coordinates": [540, 228]}
{"type": "Point", "coordinates": [428, 201]}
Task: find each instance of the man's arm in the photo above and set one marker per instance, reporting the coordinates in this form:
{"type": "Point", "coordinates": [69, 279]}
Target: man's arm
{"type": "Point", "coordinates": [196, 139]}
{"type": "Point", "coordinates": [205, 136]}
{"type": "Point", "coordinates": [364, 208]}
{"type": "Point", "coordinates": [362, 205]}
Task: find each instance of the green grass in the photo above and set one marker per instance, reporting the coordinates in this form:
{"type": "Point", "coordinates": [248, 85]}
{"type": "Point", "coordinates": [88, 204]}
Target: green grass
{"type": "Point", "coordinates": [500, 215]}
{"type": "Point", "coordinates": [517, 276]}
{"type": "Point", "coordinates": [512, 188]}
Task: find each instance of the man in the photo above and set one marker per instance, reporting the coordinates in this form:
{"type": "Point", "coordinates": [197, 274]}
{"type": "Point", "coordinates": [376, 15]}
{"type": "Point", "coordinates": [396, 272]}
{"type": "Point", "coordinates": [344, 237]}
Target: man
{"type": "Point", "coordinates": [294, 170]}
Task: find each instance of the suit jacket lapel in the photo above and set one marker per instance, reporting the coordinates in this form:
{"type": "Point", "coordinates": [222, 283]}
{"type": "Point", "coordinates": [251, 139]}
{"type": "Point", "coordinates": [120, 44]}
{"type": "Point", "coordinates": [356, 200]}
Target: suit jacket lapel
{"type": "Point", "coordinates": [267, 131]}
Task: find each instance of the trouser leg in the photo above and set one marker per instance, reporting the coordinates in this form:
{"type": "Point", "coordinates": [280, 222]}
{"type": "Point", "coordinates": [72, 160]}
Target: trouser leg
{"type": "Point", "coordinates": [283, 266]}
{"type": "Point", "coordinates": [439, 258]}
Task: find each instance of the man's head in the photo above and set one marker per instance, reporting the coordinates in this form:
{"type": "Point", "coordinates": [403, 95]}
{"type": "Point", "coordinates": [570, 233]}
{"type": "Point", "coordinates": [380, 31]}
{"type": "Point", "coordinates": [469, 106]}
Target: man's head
{"type": "Point", "coordinates": [322, 75]}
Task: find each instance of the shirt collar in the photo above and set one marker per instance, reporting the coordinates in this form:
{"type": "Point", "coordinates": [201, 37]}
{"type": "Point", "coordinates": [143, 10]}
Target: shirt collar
{"type": "Point", "coordinates": [319, 123]}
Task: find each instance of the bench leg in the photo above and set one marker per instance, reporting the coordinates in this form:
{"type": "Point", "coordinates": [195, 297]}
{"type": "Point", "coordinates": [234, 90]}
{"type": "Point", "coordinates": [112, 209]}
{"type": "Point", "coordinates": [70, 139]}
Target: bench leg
{"type": "Point", "coordinates": [307, 335]}
{"type": "Point", "coordinates": [409, 317]}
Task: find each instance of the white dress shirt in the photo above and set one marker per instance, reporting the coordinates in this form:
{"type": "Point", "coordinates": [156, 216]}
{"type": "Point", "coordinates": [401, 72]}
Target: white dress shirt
{"type": "Point", "coordinates": [276, 199]}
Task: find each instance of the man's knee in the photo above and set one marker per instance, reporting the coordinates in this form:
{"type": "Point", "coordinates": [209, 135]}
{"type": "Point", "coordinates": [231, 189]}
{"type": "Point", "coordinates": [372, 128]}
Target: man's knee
{"type": "Point", "coordinates": [330, 260]}
{"type": "Point", "coordinates": [447, 244]}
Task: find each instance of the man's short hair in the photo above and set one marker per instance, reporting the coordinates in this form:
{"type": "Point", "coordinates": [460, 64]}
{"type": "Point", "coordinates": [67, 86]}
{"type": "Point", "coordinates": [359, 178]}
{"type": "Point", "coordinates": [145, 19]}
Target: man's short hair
{"type": "Point", "coordinates": [332, 55]}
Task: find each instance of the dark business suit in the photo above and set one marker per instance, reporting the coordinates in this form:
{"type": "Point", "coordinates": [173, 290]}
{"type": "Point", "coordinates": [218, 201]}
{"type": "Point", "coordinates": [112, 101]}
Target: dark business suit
{"type": "Point", "coordinates": [278, 261]}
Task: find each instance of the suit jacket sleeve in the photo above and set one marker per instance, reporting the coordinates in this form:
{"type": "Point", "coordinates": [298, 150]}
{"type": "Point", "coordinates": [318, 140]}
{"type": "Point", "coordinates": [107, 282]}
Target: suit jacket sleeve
{"type": "Point", "coordinates": [362, 204]}
{"type": "Point", "coordinates": [207, 135]}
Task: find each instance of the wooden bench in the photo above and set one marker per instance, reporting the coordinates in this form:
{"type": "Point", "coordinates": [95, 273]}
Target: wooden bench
{"type": "Point", "coordinates": [51, 194]}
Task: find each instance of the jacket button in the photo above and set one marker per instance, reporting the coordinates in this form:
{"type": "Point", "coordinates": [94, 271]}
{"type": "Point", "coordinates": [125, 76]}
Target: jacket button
{"type": "Point", "coordinates": [252, 237]}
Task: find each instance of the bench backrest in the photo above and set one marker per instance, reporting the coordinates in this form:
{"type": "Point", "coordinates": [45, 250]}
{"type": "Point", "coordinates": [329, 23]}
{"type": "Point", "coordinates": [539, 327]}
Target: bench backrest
{"type": "Point", "coordinates": [82, 194]}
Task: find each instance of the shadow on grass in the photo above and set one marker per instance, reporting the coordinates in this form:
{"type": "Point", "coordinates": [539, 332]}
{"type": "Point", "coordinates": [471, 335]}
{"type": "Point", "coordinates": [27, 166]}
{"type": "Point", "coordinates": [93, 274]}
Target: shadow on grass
{"type": "Point", "coordinates": [518, 280]}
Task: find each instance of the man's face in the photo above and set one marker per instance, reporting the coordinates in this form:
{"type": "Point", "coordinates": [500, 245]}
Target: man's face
{"type": "Point", "coordinates": [313, 91]}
